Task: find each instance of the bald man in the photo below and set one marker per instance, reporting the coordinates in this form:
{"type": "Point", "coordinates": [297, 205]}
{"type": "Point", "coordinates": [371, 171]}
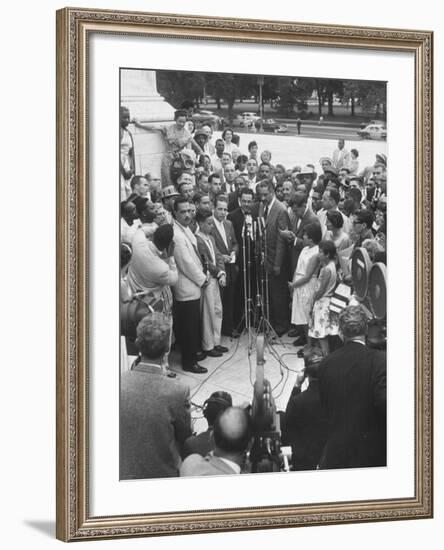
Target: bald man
{"type": "Point", "coordinates": [232, 435]}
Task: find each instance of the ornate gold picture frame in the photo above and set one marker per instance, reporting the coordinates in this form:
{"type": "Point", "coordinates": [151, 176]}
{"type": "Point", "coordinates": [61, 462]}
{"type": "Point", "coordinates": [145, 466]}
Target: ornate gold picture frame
{"type": "Point", "coordinates": [75, 521]}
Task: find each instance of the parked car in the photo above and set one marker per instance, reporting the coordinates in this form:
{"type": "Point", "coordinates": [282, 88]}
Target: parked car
{"type": "Point", "coordinates": [378, 122]}
{"type": "Point", "coordinates": [270, 125]}
{"type": "Point", "coordinates": [253, 117]}
{"type": "Point", "coordinates": [239, 122]}
{"type": "Point", "coordinates": [373, 131]}
{"type": "Point", "coordinates": [201, 117]}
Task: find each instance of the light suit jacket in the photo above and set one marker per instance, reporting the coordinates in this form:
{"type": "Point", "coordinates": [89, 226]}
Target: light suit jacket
{"type": "Point", "coordinates": [197, 465]}
{"type": "Point", "coordinates": [190, 274]}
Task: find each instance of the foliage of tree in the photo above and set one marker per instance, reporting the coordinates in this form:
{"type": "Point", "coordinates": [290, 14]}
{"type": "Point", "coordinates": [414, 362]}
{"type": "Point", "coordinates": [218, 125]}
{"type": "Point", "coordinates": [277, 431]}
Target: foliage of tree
{"type": "Point", "coordinates": [289, 94]}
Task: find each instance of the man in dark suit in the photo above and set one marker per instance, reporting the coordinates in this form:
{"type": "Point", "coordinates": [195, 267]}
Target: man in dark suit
{"type": "Point", "coordinates": [274, 218]}
{"type": "Point", "coordinates": [242, 220]}
{"type": "Point", "coordinates": [301, 216]}
{"type": "Point", "coordinates": [352, 386]}
{"type": "Point", "coordinates": [155, 416]}
{"type": "Point", "coordinates": [226, 243]}
{"type": "Point", "coordinates": [232, 434]}
{"type": "Point", "coordinates": [305, 425]}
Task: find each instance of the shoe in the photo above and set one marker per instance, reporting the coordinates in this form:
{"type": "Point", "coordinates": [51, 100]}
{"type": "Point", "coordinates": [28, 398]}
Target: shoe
{"type": "Point", "coordinates": [197, 369]}
{"type": "Point", "coordinates": [171, 374]}
{"type": "Point", "coordinates": [293, 333]}
{"type": "Point", "coordinates": [300, 341]}
{"type": "Point", "coordinates": [201, 356]}
{"type": "Point", "coordinates": [213, 353]}
{"type": "Point", "coordinates": [222, 349]}
{"type": "Point", "coordinates": [280, 332]}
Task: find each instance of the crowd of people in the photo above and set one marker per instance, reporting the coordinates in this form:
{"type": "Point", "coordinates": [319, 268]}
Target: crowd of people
{"type": "Point", "coordinates": [186, 244]}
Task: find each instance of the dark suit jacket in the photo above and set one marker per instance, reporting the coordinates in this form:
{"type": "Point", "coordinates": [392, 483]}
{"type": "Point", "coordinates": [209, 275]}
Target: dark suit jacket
{"type": "Point", "coordinates": [305, 427]}
{"type": "Point", "coordinates": [230, 269]}
{"type": "Point", "coordinates": [231, 239]}
{"type": "Point", "coordinates": [277, 218]}
{"type": "Point", "coordinates": [237, 218]}
{"type": "Point", "coordinates": [154, 423]}
{"type": "Point", "coordinates": [233, 201]}
{"type": "Point", "coordinates": [213, 267]}
{"type": "Point", "coordinates": [352, 386]}
{"type": "Point", "coordinates": [197, 465]}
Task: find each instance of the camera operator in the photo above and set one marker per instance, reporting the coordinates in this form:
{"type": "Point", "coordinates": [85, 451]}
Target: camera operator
{"type": "Point", "coordinates": [232, 435]}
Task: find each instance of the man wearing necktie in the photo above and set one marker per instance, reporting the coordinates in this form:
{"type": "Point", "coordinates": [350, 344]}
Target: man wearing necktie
{"type": "Point", "coordinates": [275, 217]}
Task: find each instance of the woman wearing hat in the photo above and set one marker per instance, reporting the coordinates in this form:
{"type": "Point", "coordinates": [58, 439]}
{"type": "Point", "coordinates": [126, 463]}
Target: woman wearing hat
{"type": "Point", "coordinates": [176, 138]}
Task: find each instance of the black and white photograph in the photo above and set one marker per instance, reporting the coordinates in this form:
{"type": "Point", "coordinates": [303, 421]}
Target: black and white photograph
{"type": "Point", "coordinates": [253, 269]}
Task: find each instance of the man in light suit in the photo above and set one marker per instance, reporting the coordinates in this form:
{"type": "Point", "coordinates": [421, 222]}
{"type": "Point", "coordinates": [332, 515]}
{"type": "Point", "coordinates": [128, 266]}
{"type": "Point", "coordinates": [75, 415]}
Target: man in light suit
{"type": "Point", "coordinates": [187, 291]}
{"type": "Point", "coordinates": [341, 157]}
{"type": "Point", "coordinates": [275, 218]}
{"type": "Point", "coordinates": [155, 415]}
{"type": "Point", "coordinates": [226, 243]}
{"type": "Point", "coordinates": [211, 306]}
{"type": "Point", "coordinates": [353, 388]}
{"type": "Point", "coordinates": [232, 435]}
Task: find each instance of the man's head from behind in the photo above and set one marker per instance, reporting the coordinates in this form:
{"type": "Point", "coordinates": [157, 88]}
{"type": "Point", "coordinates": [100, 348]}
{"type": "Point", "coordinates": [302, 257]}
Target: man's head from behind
{"type": "Point", "coordinates": [353, 323]}
{"type": "Point", "coordinates": [232, 432]}
{"type": "Point", "coordinates": [153, 335]}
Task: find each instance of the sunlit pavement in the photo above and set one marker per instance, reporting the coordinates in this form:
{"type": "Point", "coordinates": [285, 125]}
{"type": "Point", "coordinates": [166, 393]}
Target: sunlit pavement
{"type": "Point", "coordinates": [297, 150]}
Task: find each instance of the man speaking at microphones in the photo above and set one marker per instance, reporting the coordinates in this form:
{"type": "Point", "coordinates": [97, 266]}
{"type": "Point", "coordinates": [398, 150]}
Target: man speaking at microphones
{"type": "Point", "coordinates": [275, 218]}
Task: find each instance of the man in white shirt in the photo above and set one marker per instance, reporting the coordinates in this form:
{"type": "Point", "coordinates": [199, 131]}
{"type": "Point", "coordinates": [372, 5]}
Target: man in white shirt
{"type": "Point", "coordinates": [341, 157]}
{"type": "Point", "coordinates": [252, 167]}
{"type": "Point", "coordinates": [226, 243]}
{"type": "Point", "coordinates": [330, 201]}
{"type": "Point", "coordinates": [129, 222]}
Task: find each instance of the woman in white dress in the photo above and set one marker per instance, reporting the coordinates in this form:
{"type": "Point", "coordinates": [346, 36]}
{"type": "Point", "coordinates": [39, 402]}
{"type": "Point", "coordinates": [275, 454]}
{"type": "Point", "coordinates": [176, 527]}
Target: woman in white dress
{"type": "Point", "coordinates": [230, 147]}
{"type": "Point", "coordinates": [304, 281]}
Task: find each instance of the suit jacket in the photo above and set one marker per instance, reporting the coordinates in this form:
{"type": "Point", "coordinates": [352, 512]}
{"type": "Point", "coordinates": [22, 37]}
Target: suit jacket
{"type": "Point", "coordinates": [233, 201]}
{"type": "Point", "coordinates": [149, 268]}
{"type": "Point", "coordinates": [230, 269]}
{"type": "Point", "coordinates": [341, 158]}
{"type": "Point", "coordinates": [190, 274]}
{"type": "Point", "coordinates": [197, 465]}
{"type": "Point", "coordinates": [154, 423]}
{"type": "Point", "coordinates": [305, 427]}
{"type": "Point", "coordinates": [277, 218]}
{"type": "Point", "coordinates": [352, 386]}
{"type": "Point", "coordinates": [214, 267]}
{"type": "Point", "coordinates": [237, 218]}
{"type": "Point", "coordinates": [231, 239]}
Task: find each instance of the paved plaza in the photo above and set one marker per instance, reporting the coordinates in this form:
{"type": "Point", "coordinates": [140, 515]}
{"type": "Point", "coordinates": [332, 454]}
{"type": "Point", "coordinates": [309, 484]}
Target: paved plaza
{"type": "Point", "coordinates": [234, 372]}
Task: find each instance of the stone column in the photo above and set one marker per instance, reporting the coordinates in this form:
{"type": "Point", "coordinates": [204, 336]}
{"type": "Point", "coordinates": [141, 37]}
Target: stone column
{"type": "Point", "coordinates": [139, 94]}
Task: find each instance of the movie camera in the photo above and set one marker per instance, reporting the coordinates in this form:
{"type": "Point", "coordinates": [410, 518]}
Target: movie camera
{"type": "Point", "coordinates": [370, 289]}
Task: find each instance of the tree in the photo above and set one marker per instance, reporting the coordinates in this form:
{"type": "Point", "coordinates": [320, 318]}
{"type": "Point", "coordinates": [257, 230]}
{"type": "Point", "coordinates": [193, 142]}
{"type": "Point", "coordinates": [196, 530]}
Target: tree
{"type": "Point", "coordinates": [351, 92]}
{"type": "Point", "coordinates": [293, 92]}
{"type": "Point", "coordinates": [179, 86]}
